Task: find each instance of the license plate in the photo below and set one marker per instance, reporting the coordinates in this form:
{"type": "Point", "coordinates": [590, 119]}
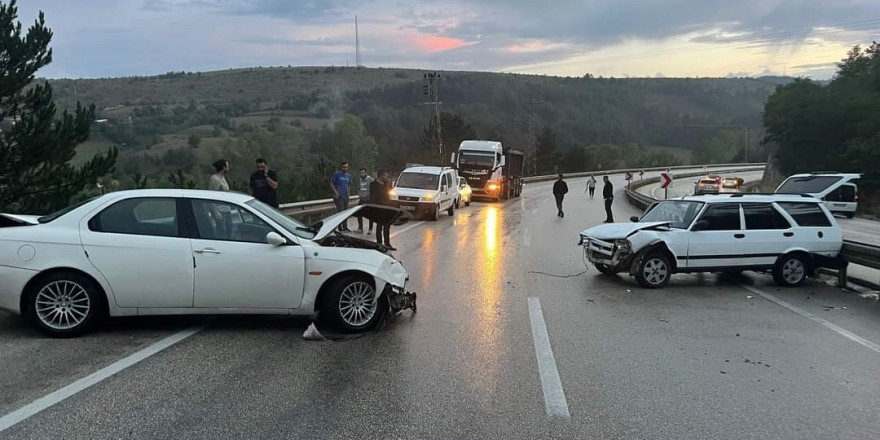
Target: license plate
{"type": "Point", "coordinates": [408, 208]}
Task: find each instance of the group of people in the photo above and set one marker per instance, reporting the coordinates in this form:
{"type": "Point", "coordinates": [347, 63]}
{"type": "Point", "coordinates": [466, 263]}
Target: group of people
{"type": "Point", "coordinates": [560, 189]}
{"type": "Point", "coordinates": [264, 187]}
{"type": "Point", "coordinates": [370, 191]}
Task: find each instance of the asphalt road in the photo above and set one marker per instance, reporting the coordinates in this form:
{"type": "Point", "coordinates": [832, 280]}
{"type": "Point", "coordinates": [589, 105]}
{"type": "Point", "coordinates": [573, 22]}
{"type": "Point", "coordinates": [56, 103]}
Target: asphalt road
{"type": "Point", "coordinates": [855, 229]}
{"type": "Point", "coordinates": [703, 358]}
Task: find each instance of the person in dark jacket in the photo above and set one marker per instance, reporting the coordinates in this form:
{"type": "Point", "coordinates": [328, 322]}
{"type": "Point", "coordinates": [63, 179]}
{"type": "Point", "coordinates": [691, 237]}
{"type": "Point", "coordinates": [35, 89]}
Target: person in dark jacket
{"type": "Point", "coordinates": [608, 195]}
{"type": "Point", "coordinates": [560, 188]}
{"type": "Point", "coordinates": [379, 196]}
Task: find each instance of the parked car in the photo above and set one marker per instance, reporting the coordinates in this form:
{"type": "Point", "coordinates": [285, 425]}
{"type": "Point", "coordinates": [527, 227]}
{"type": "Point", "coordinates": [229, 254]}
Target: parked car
{"type": "Point", "coordinates": [427, 191]}
{"type": "Point", "coordinates": [708, 185]}
{"type": "Point", "coordinates": [464, 191]}
{"type": "Point", "coordinates": [170, 252]}
{"type": "Point", "coordinates": [787, 235]}
{"type": "Point", "coordinates": [839, 191]}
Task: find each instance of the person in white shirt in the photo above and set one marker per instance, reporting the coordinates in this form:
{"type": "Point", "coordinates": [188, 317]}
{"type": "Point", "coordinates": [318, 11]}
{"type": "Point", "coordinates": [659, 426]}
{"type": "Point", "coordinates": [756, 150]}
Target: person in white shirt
{"type": "Point", "coordinates": [218, 179]}
{"type": "Point", "coordinates": [591, 186]}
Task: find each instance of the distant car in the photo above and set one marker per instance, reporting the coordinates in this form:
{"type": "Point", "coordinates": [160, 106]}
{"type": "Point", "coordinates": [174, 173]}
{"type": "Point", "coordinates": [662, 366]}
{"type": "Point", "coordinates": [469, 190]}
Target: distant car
{"type": "Point", "coordinates": [732, 182]}
{"type": "Point", "coordinates": [427, 191]}
{"type": "Point", "coordinates": [464, 191]}
{"type": "Point", "coordinates": [171, 252]}
{"type": "Point", "coordinates": [708, 185]}
{"type": "Point", "coordinates": [839, 191]}
{"type": "Point", "coordinates": [787, 235]}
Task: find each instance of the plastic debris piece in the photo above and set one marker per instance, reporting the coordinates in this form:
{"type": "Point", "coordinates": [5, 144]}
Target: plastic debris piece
{"type": "Point", "coordinates": [312, 334]}
{"type": "Point", "coordinates": [749, 297]}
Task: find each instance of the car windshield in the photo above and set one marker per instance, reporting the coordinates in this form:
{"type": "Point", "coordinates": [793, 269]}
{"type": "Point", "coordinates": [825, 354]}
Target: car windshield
{"type": "Point", "coordinates": [55, 215]}
{"type": "Point", "coordinates": [480, 159]}
{"type": "Point", "coordinates": [291, 225]}
{"type": "Point", "coordinates": [679, 212]}
{"type": "Point", "coordinates": [807, 184]}
{"type": "Point", "coordinates": [418, 181]}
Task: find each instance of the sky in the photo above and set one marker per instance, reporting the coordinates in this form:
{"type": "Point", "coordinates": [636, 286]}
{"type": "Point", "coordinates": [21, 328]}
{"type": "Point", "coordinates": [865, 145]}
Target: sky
{"type": "Point", "coordinates": [620, 38]}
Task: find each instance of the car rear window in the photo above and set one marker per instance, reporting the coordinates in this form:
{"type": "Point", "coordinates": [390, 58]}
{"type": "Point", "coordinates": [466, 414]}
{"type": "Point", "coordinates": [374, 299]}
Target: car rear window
{"type": "Point", "coordinates": [763, 216]}
{"type": "Point", "coordinates": [806, 214]}
{"type": "Point", "coordinates": [708, 182]}
{"type": "Point", "coordinates": [807, 185]}
{"type": "Point", "coordinates": [845, 193]}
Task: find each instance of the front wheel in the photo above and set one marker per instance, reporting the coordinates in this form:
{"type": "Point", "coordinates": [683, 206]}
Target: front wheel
{"type": "Point", "coordinates": [434, 213]}
{"type": "Point", "coordinates": [352, 305]}
{"type": "Point", "coordinates": [64, 305]}
{"type": "Point", "coordinates": [791, 271]}
{"type": "Point", "coordinates": [850, 214]}
{"type": "Point", "coordinates": [653, 270]}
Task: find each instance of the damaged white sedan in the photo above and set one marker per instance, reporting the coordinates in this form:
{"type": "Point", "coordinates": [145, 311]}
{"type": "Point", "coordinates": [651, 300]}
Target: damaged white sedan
{"type": "Point", "coordinates": [172, 252]}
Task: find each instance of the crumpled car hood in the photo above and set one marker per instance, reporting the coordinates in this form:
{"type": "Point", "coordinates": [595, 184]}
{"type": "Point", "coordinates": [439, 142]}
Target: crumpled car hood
{"type": "Point", "coordinates": [377, 213]}
{"type": "Point", "coordinates": [616, 231]}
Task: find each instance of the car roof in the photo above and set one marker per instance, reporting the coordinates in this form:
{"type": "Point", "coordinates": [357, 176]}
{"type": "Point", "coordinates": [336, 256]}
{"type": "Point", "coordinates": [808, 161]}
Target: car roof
{"type": "Point", "coordinates": [427, 170]}
{"type": "Point", "coordinates": [223, 196]}
{"type": "Point", "coordinates": [848, 175]}
{"type": "Point", "coordinates": [748, 197]}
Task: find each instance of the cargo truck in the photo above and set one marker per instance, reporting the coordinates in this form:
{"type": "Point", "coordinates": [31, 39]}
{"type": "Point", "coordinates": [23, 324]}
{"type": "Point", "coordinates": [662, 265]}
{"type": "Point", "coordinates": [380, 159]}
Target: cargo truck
{"type": "Point", "coordinates": [492, 171]}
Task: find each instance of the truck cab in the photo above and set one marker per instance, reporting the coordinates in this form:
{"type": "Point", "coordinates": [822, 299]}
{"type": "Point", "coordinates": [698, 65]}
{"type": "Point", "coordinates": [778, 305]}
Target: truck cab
{"type": "Point", "coordinates": [491, 170]}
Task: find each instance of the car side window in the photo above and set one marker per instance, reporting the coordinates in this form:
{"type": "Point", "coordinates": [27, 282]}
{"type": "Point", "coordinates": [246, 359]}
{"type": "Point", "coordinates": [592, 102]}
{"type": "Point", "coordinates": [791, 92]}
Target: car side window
{"type": "Point", "coordinates": [228, 222]}
{"type": "Point", "coordinates": [142, 216]}
{"type": "Point", "coordinates": [806, 214]}
{"type": "Point", "coordinates": [763, 216]}
{"type": "Point", "coordinates": [720, 217]}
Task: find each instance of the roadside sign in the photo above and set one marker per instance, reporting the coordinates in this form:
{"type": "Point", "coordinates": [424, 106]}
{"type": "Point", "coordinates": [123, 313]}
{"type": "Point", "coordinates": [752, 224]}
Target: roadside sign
{"type": "Point", "coordinates": [629, 175]}
{"type": "Point", "coordinates": [665, 180]}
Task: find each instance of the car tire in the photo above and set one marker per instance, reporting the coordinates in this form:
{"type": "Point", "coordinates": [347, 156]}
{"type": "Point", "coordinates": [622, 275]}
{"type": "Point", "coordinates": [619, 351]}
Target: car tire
{"type": "Point", "coordinates": [64, 305]}
{"type": "Point", "coordinates": [351, 305]}
{"type": "Point", "coordinates": [434, 213]}
{"type": "Point", "coordinates": [606, 269]}
{"type": "Point", "coordinates": [468, 203]}
{"type": "Point", "coordinates": [653, 270]}
{"type": "Point", "coordinates": [850, 214]}
{"type": "Point", "coordinates": [451, 210]}
{"type": "Point", "coordinates": [791, 270]}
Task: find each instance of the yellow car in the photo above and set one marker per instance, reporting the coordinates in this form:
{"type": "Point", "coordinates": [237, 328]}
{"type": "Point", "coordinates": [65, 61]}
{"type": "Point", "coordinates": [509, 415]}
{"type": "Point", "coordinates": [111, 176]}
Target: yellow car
{"type": "Point", "coordinates": [464, 190]}
{"type": "Point", "coordinates": [731, 182]}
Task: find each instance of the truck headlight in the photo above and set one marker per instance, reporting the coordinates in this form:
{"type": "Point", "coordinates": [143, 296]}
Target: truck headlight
{"type": "Point", "coordinates": [623, 246]}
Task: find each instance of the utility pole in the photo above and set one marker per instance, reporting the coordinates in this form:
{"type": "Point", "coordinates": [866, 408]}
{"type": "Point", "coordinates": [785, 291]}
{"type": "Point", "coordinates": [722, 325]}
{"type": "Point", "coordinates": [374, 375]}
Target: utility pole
{"type": "Point", "coordinates": [357, 45]}
{"type": "Point", "coordinates": [533, 141]}
{"type": "Point", "coordinates": [431, 90]}
{"type": "Point", "coordinates": [747, 144]}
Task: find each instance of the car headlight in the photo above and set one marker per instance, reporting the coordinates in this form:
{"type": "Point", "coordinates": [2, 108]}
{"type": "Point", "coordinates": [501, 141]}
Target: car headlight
{"type": "Point", "coordinates": [623, 246]}
{"type": "Point", "coordinates": [392, 194]}
{"type": "Point", "coordinates": [428, 196]}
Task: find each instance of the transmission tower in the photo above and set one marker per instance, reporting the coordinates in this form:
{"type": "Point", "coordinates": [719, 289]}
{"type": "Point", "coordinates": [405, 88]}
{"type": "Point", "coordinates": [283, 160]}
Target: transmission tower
{"type": "Point", "coordinates": [357, 45]}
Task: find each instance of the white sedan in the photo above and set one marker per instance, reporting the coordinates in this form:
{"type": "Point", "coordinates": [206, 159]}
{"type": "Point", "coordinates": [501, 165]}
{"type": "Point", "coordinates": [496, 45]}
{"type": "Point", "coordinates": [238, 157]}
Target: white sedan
{"type": "Point", "coordinates": [170, 252]}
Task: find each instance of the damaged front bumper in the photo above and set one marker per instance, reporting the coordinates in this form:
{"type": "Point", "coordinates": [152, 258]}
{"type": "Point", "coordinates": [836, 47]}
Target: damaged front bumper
{"type": "Point", "coordinates": [616, 254]}
{"type": "Point", "coordinates": [399, 299]}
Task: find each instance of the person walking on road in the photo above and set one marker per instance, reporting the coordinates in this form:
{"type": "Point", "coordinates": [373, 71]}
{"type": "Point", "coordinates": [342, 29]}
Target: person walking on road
{"type": "Point", "coordinates": [264, 184]}
{"type": "Point", "coordinates": [218, 182]}
{"type": "Point", "coordinates": [379, 196]}
{"type": "Point", "coordinates": [560, 188]}
{"type": "Point", "coordinates": [364, 184]}
{"type": "Point", "coordinates": [608, 195]}
{"type": "Point", "coordinates": [340, 183]}
{"type": "Point", "coordinates": [591, 186]}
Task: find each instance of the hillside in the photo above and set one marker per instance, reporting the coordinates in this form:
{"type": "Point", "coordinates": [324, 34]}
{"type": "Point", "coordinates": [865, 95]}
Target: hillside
{"type": "Point", "coordinates": [290, 114]}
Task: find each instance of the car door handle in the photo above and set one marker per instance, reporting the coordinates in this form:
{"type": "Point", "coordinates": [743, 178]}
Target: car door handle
{"type": "Point", "coordinates": [207, 251]}
{"type": "Point", "coordinates": [788, 234]}
{"type": "Point", "coordinates": [739, 235]}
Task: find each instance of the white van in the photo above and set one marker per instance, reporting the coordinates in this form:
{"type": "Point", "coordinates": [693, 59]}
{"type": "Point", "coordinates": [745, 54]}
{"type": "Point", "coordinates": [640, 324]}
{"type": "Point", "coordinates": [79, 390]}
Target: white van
{"type": "Point", "coordinates": [839, 191]}
{"type": "Point", "coordinates": [426, 191]}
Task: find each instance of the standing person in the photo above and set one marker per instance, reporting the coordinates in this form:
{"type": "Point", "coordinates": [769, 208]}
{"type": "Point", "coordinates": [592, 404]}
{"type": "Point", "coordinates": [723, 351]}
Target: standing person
{"type": "Point", "coordinates": [608, 194]}
{"type": "Point", "coordinates": [364, 197]}
{"type": "Point", "coordinates": [591, 186]}
{"type": "Point", "coordinates": [560, 189]}
{"type": "Point", "coordinates": [340, 184]}
{"type": "Point", "coordinates": [264, 184]}
{"type": "Point", "coordinates": [218, 182]}
{"type": "Point", "coordinates": [379, 195]}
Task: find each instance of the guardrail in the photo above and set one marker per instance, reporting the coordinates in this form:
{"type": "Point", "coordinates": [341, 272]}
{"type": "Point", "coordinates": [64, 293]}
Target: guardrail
{"type": "Point", "coordinates": [854, 252]}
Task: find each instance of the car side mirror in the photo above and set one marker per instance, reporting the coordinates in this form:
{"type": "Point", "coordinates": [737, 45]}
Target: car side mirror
{"type": "Point", "coordinates": [701, 225]}
{"type": "Point", "coordinates": [274, 239]}
{"type": "Point", "coordinates": [634, 219]}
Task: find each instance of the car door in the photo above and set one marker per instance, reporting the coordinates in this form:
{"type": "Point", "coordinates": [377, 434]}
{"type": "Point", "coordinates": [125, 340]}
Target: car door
{"type": "Point", "coordinates": [717, 238]}
{"type": "Point", "coordinates": [236, 267]}
{"type": "Point", "coordinates": [139, 247]}
{"type": "Point", "coordinates": [767, 236]}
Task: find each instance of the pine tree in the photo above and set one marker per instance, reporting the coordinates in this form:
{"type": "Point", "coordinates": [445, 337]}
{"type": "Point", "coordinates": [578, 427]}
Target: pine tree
{"type": "Point", "coordinates": [37, 145]}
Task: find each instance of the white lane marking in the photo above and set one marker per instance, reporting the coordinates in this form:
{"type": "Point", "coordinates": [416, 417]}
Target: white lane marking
{"type": "Point", "coordinates": [839, 330]}
{"type": "Point", "coordinates": [527, 238]}
{"type": "Point", "coordinates": [554, 396]}
{"type": "Point", "coordinates": [401, 231]}
{"type": "Point", "coordinates": [60, 395]}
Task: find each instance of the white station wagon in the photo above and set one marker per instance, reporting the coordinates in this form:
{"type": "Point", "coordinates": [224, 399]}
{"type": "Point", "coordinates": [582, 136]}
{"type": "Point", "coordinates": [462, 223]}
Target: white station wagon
{"type": "Point", "coordinates": [787, 235]}
{"type": "Point", "coordinates": [164, 252]}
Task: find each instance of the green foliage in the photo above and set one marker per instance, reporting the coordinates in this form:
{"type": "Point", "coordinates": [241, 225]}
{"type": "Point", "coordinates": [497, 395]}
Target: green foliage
{"type": "Point", "coordinates": [545, 147]}
{"type": "Point", "coordinates": [179, 179]}
{"type": "Point", "coordinates": [728, 146]}
{"type": "Point", "coordinates": [194, 141]}
{"type": "Point", "coordinates": [453, 129]}
{"type": "Point", "coordinates": [35, 152]}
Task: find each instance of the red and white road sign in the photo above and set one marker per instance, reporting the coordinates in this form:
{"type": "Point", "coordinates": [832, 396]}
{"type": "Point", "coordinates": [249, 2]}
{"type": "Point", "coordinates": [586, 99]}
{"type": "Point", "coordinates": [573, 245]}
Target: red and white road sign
{"type": "Point", "coordinates": [629, 176]}
{"type": "Point", "coordinates": [665, 180]}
